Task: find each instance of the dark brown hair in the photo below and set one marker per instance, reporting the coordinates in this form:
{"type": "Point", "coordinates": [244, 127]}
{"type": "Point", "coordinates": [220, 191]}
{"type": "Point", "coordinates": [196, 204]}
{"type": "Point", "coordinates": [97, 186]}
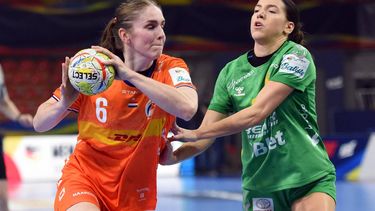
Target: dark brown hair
{"type": "Point", "coordinates": [292, 15]}
{"type": "Point", "coordinates": [125, 14]}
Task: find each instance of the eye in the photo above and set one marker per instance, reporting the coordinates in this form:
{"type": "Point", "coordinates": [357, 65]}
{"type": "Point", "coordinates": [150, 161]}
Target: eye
{"type": "Point", "coordinates": [150, 26]}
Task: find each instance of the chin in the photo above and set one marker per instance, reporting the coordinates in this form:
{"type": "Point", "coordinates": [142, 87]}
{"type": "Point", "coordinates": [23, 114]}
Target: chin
{"type": "Point", "coordinates": [158, 53]}
{"type": "Point", "coordinates": [257, 35]}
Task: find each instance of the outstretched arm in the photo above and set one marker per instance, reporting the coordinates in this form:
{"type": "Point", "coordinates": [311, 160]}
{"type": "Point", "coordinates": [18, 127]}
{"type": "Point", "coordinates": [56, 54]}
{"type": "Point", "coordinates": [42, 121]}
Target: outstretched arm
{"type": "Point", "coordinates": [268, 99]}
{"type": "Point", "coordinates": [190, 149]}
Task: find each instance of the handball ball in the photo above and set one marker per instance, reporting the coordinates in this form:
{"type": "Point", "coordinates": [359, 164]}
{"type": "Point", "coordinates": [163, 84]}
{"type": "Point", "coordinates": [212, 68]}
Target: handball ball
{"type": "Point", "coordinates": [88, 74]}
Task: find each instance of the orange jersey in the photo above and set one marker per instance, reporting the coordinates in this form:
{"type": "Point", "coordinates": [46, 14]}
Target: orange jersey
{"type": "Point", "coordinates": [121, 134]}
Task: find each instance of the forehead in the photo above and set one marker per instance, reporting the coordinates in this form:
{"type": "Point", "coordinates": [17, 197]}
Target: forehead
{"type": "Point", "coordinates": [150, 13]}
{"type": "Point", "coordinates": [276, 3]}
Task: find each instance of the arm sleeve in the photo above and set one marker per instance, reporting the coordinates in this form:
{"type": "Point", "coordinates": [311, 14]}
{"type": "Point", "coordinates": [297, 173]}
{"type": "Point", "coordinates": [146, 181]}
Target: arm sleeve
{"type": "Point", "coordinates": [221, 100]}
{"type": "Point", "coordinates": [178, 74]}
{"type": "Point", "coordinates": [74, 107]}
{"type": "Point", "coordinates": [295, 70]}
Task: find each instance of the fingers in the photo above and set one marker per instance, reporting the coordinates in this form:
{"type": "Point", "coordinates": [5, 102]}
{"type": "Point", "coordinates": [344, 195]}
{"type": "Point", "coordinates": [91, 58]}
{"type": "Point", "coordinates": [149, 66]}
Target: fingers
{"type": "Point", "coordinates": [64, 68]}
{"type": "Point", "coordinates": [172, 138]}
{"type": "Point", "coordinates": [103, 50]}
{"type": "Point", "coordinates": [26, 120]}
{"type": "Point", "coordinates": [175, 129]}
{"type": "Point", "coordinates": [63, 77]}
{"type": "Point", "coordinates": [113, 59]}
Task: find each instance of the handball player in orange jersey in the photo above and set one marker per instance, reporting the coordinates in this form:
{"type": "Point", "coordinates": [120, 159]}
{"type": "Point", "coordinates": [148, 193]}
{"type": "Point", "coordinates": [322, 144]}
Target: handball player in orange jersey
{"type": "Point", "coordinates": [122, 131]}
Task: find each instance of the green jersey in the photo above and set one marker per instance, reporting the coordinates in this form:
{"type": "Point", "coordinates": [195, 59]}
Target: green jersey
{"type": "Point", "coordinates": [285, 150]}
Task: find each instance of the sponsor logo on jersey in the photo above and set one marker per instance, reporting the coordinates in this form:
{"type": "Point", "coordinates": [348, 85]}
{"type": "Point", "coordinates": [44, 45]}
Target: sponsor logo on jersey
{"type": "Point", "coordinates": [81, 193]}
{"type": "Point", "coordinates": [239, 91]}
{"type": "Point", "coordinates": [315, 139]}
{"type": "Point", "coordinates": [142, 193]}
{"type": "Point", "coordinates": [233, 83]}
{"type": "Point", "coordinates": [261, 130]}
{"type": "Point", "coordinates": [129, 92]}
{"type": "Point", "coordinates": [263, 204]}
{"type": "Point", "coordinates": [62, 193]}
{"type": "Point", "coordinates": [179, 75]}
{"type": "Point", "coordinates": [261, 148]}
{"type": "Point", "coordinates": [295, 65]}
{"type": "Point", "coordinates": [126, 137]}
{"type": "Point", "coordinates": [149, 110]}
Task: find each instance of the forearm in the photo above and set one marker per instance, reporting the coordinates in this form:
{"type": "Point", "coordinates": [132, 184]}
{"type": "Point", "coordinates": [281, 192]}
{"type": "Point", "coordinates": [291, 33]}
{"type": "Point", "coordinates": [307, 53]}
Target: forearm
{"type": "Point", "coordinates": [10, 110]}
{"type": "Point", "coordinates": [268, 99]}
{"type": "Point", "coordinates": [233, 124]}
{"type": "Point", "coordinates": [191, 149]}
{"type": "Point", "coordinates": [170, 99]}
{"type": "Point", "coordinates": [48, 115]}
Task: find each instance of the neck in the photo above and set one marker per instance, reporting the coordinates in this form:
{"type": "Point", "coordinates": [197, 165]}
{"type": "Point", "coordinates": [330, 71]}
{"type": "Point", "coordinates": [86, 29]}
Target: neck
{"type": "Point", "coordinates": [262, 49]}
{"type": "Point", "coordinates": [137, 63]}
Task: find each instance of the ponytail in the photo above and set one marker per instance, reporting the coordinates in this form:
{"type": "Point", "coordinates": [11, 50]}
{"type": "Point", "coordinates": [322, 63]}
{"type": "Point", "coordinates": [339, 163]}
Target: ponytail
{"type": "Point", "coordinates": [292, 14]}
{"type": "Point", "coordinates": [297, 36]}
{"type": "Point", "coordinates": [125, 14]}
{"type": "Point", "coordinates": [110, 38]}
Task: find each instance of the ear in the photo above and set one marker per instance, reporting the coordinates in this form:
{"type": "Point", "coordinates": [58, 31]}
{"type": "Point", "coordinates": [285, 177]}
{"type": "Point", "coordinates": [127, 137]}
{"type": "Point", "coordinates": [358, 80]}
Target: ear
{"type": "Point", "coordinates": [289, 28]}
{"type": "Point", "coordinates": [124, 36]}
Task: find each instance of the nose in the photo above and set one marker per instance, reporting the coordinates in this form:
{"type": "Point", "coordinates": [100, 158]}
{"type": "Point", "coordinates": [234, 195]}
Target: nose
{"type": "Point", "coordinates": [161, 33]}
{"type": "Point", "coordinates": [261, 14]}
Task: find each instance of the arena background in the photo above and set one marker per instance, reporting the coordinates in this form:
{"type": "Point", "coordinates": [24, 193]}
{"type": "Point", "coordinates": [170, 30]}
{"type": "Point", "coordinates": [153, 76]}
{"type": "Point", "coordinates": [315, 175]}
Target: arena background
{"type": "Point", "coordinates": [36, 35]}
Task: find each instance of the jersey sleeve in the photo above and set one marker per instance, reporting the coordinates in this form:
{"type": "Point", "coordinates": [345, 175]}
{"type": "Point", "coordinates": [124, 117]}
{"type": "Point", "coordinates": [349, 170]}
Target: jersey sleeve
{"type": "Point", "coordinates": [221, 101]}
{"type": "Point", "coordinates": [296, 70]}
{"type": "Point", "coordinates": [74, 107]}
{"type": "Point", "coordinates": [179, 74]}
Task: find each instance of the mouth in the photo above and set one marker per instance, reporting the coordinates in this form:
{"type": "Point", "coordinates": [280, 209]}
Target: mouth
{"type": "Point", "coordinates": [258, 25]}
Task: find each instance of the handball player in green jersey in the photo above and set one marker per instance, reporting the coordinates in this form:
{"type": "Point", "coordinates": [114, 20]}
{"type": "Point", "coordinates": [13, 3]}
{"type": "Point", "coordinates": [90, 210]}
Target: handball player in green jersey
{"type": "Point", "coordinates": [268, 94]}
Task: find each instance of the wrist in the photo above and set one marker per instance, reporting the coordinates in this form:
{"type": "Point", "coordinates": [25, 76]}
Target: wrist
{"type": "Point", "coordinates": [18, 117]}
{"type": "Point", "coordinates": [198, 134]}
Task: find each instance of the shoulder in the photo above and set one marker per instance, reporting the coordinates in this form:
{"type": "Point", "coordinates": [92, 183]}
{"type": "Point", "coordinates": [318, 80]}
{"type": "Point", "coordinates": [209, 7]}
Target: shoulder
{"type": "Point", "coordinates": [239, 61]}
{"type": "Point", "coordinates": [297, 50]}
{"type": "Point", "coordinates": [171, 61]}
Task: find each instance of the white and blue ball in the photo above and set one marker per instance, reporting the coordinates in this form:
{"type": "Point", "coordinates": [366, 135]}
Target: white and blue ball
{"type": "Point", "coordinates": [88, 74]}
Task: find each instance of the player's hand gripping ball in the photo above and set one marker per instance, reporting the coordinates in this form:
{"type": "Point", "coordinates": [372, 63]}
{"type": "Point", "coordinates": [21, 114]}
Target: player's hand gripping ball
{"type": "Point", "coordinates": [88, 74]}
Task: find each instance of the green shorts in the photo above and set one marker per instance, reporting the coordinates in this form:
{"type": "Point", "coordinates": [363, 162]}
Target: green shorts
{"type": "Point", "coordinates": [283, 200]}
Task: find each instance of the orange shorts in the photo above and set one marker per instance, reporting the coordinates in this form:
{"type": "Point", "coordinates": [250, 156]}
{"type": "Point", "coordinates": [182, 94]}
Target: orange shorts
{"type": "Point", "coordinates": [72, 191]}
{"type": "Point", "coordinates": [75, 186]}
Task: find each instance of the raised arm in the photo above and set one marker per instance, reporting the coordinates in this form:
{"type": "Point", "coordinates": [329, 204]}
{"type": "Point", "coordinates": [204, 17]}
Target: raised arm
{"type": "Point", "coordinates": [51, 112]}
{"type": "Point", "coordinates": [181, 102]}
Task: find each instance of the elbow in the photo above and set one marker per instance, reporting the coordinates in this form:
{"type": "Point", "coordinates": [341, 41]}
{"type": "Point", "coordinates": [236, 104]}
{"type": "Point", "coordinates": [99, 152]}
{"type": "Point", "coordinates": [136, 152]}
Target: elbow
{"type": "Point", "coordinates": [188, 112]}
{"type": "Point", "coordinates": [38, 127]}
{"type": "Point", "coordinates": [256, 119]}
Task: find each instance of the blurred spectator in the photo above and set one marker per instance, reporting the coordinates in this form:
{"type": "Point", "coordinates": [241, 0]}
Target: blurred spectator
{"type": "Point", "coordinates": [8, 108]}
